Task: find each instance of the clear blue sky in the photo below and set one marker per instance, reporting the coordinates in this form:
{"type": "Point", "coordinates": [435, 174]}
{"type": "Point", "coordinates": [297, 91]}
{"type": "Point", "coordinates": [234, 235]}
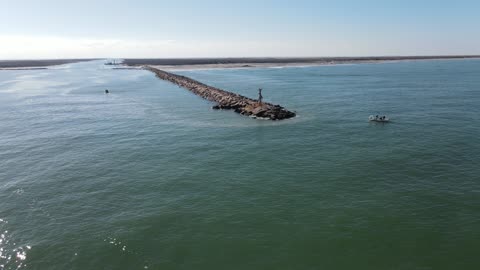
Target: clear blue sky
{"type": "Point", "coordinates": [214, 28]}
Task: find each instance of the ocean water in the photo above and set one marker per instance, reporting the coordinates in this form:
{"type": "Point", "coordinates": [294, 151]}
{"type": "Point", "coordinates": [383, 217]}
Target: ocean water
{"type": "Point", "coordinates": [149, 177]}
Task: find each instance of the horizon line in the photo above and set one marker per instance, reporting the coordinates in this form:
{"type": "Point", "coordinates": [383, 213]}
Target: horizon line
{"type": "Point", "coordinates": [259, 57]}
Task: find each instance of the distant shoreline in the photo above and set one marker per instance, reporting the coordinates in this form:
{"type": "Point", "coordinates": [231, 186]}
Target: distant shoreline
{"type": "Point", "coordinates": [36, 64]}
{"type": "Point", "coordinates": [178, 64]}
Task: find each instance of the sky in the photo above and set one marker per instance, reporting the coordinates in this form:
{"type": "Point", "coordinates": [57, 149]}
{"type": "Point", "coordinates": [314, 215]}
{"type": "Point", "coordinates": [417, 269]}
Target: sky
{"type": "Point", "coordinates": [51, 29]}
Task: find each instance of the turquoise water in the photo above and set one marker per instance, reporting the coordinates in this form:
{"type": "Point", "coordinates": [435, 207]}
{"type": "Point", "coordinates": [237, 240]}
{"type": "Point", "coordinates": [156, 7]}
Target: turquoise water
{"type": "Point", "coordinates": [149, 177]}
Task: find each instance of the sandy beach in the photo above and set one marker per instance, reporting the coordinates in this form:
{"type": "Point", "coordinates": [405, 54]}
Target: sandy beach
{"type": "Point", "coordinates": [238, 66]}
{"type": "Point", "coordinates": [178, 64]}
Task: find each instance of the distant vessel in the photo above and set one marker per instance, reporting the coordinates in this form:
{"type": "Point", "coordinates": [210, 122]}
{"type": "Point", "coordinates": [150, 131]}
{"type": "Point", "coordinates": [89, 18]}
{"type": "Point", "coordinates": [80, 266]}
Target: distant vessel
{"type": "Point", "coordinates": [112, 63]}
{"type": "Point", "coordinates": [382, 119]}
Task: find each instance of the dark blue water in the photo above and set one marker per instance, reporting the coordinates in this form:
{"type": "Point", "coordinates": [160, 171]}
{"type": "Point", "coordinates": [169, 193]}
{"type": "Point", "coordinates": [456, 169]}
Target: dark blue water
{"type": "Point", "coordinates": [150, 177]}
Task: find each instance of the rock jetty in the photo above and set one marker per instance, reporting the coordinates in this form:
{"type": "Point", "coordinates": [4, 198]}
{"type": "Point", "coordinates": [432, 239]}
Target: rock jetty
{"type": "Point", "coordinates": [226, 100]}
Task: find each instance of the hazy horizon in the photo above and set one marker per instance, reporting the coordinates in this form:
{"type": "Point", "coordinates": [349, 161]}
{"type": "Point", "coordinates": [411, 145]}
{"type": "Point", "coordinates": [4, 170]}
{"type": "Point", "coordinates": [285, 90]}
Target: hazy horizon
{"type": "Point", "coordinates": [244, 57]}
{"type": "Point", "coordinates": [54, 29]}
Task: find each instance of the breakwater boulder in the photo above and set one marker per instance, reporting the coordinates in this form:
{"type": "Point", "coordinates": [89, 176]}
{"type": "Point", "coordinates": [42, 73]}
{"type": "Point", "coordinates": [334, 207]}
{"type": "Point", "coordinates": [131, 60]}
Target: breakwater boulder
{"type": "Point", "coordinates": [226, 100]}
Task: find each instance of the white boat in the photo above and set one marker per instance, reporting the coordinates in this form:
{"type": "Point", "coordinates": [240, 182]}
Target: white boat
{"type": "Point", "coordinates": [382, 119]}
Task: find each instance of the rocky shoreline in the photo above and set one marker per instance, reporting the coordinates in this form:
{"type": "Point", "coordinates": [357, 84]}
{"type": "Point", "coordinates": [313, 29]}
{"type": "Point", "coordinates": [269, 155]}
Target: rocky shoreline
{"type": "Point", "coordinates": [224, 99]}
